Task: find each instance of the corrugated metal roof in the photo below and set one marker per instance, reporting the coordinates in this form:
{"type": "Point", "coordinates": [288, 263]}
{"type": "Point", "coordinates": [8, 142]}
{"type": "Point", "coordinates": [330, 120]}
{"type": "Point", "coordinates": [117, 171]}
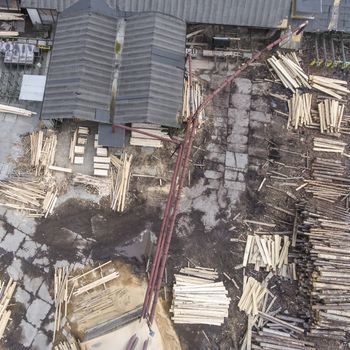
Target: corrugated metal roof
{"type": "Point", "coordinates": [150, 82]}
{"type": "Point", "coordinates": [255, 13]}
{"type": "Point", "coordinates": [80, 74]}
{"type": "Point", "coordinates": [322, 20]}
{"type": "Point", "coordinates": [58, 5]}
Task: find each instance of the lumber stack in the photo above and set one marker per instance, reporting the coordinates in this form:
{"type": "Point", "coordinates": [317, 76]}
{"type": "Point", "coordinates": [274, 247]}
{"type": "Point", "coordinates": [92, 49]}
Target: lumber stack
{"type": "Point", "coordinates": [15, 110]}
{"type": "Point", "coordinates": [324, 265]}
{"type": "Point", "coordinates": [77, 145]}
{"type": "Point", "coordinates": [120, 174]}
{"type": "Point", "coordinates": [299, 107]}
{"type": "Point", "coordinates": [331, 115]}
{"type": "Point", "coordinates": [289, 71]}
{"type": "Point", "coordinates": [60, 297]}
{"type": "Point", "coordinates": [332, 87]}
{"type": "Point", "coordinates": [198, 299]}
{"type": "Point", "coordinates": [101, 161]}
{"type": "Point", "coordinates": [251, 301]}
{"type": "Point", "coordinates": [197, 99]}
{"type": "Point", "coordinates": [43, 150]}
{"type": "Point", "coordinates": [6, 293]}
{"type": "Point", "coordinates": [269, 252]}
{"type": "Point", "coordinates": [101, 185]}
{"type": "Point", "coordinates": [322, 144]}
{"type": "Point", "coordinates": [329, 180]}
{"type": "Point", "coordinates": [142, 140]}
{"type": "Point", "coordinates": [31, 197]}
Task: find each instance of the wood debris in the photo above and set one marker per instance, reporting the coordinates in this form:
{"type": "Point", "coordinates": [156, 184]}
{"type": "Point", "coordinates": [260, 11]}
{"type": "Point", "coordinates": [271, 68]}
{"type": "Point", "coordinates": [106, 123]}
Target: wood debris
{"type": "Point", "coordinates": [198, 299]}
{"type": "Point", "coordinates": [269, 252]}
{"type": "Point", "coordinates": [101, 185]}
{"type": "Point", "coordinates": [299, 111]}
{"type": "Point", "coordinates": [322, 144]}
{"type": "Point", "coordinates": [289, 71]}
{"type": "Point", "coordinates": [331, 115]}
{"type": "Point", "coordinates": [6, 292]}
{"type": "Point", "coordinates": [332, 87]}
{"type": "Point", "coordinates": [120, 173]}
{"type": "Point", "coordinates": [32, 197]}
{"type": "Point", "coordinates": [15, 110]}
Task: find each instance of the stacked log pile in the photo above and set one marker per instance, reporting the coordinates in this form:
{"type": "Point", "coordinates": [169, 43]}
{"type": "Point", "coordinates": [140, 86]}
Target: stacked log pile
{"type": "Point", "coordinates": [120, 173]}
{"type": "Point", "coordinates": [329, 180]}
{"type": "Point", "coordinates": [197, 99]}
{"type": "Point", "coordinates": [198, 299]}
{"type": "Point", "coordinates": [6, 293]}
{"type": "Point", "coordinates": [331, 116]}
{"type": "Point", "coordinates": [32, 197]}
{"type": "Point", "coordinates": [299, 107]}
{"type": "Point", "coordinates": [269, 252]}
{"type": "Point", "coordinates": [324, 264]}
{"type": "Point", "coordinates": [15, 110]}
{"type": "Point", "coordinates": [332, 87]}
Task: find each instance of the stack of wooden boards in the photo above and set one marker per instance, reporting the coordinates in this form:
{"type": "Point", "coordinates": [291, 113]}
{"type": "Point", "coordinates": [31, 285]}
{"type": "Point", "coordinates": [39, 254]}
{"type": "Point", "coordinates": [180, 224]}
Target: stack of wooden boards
{"type": "Point", "coordinates": [322, 144]}
{"type": "Point", "coordinates": [120, 173]}
{"type": "Point", "coordinates": [77, 145]}
{"type": "Point", "coordinates": [331, 114]}
{"type": "Point", "coordinates": [332, 87]}
{"type": "Point", "coordinates": [6, 293]}
{"type": "Point", "coordinates": [101, 160]}
{"type": "Point", "coordinates": [197, 99]}
{"type": "Point", "coordinates": [330, 181]}
{"type": "Point", "coordinates": [198, 299]}
{"type": "Point", "coordinates": [268, 252]}
{"type": "Point", "coordinates": [15, 110]}
{"type": "Point", "coordinates": [43, 150]}
{"type": "Point", "coordinates": [289, 71]}
{"type": "Point", "coordinates": [299, 107]}
{"type": "Point", "coordinates": [138, 139]}
{"type": "Point", "coordinates": [32, 197]}
{"type": "Point", "coordinates": [90, 293]}
{"type": "Point", "coordinates": [324, 264]}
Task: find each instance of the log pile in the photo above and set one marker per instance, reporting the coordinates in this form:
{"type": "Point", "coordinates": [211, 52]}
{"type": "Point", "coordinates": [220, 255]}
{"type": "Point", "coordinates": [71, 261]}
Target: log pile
{"type": "Point", "coordinates": [269, 252]}
{"type": "Point", "coordinates": [43, 150]}
{"type": "Point", "coordinates": [289, 71]}
{"type": "Point", "coordinates": [324, 264]}
{"type": "Point", "coordinates": [120, 173]}
{"type": "Point", "coordinates": [331, 115]}
{"type": "Point", "coordinates": [32, 197]}
{"type": "Point", "coordinates": [329, 180]}
{"type": "Point", "coordinates": [198, 299]}
{"type": "Point", "coordinates": [332, 87]}
{"type": "Point", "coordinates": [299, 107]}
{"type": "Point", "coordinates": [322, 144]}
{"type": "Point", "coordinates": [15, 110]}
{"type": "Point", "coordinates": [6, 293]}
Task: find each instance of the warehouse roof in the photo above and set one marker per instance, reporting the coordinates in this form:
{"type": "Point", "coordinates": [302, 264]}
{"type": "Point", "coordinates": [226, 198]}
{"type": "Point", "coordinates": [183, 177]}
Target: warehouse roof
{"type": "Point", "coordinates": [254, 13]}
{"type": "Point", "coordinates": [150, 83]}
{"type": "Point", "coordinates": [79, 80]}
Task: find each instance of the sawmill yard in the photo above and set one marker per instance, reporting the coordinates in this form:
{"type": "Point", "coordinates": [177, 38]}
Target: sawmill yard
{"type": "Point", "coordinates": [259, 257]}
{"type": "Point", "coordinates": [260, 191]}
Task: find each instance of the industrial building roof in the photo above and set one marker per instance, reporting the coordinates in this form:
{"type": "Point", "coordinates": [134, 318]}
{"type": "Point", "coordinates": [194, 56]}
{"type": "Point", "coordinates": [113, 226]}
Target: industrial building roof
{"type": "Point", "coordinates": [80, 75]}
{"type": "Point", "coordinates": [254, 13]}
{"type": "Point", "coordinates": [150, 82]}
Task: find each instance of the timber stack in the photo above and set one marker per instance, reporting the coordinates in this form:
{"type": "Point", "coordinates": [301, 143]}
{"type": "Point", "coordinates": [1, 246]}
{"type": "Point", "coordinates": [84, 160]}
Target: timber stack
{"type": "Point", "coordinates": [6, 293]}
{"type": "Point", "coordinates": [324, 265]}
{"type": "Point", "coordinates": [198, 299]}
{"type": "Point", "coordinates": [299, 107]}
{"type": "Point", "coordinates": [322, 144]}
{"type": "Point", "coordinates": [330, 115]}
{"type": "Point", "coordinates": [332, 87]}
